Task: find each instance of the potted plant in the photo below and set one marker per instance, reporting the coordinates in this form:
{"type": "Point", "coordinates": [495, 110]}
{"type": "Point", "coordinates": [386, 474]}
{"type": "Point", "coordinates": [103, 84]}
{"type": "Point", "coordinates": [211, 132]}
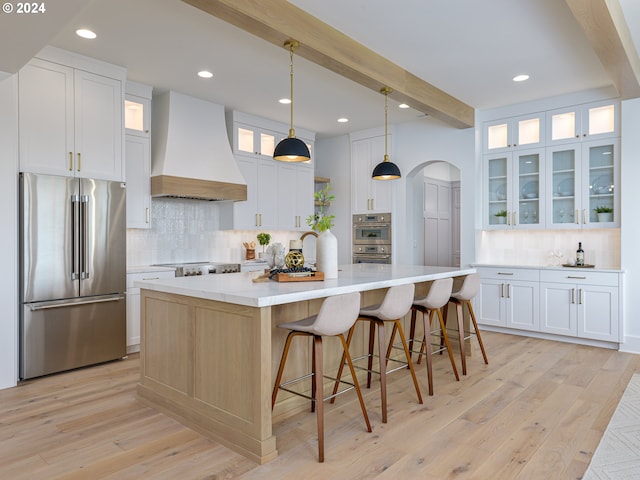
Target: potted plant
{"type": "Point", "coordinates": [327, 243]}
{"type": "Point", "coordinates": [263, 239]}
{"type": "Point", "coordinates": [605, 214]}
{"type": "Point", "coordinates": [501, 216]}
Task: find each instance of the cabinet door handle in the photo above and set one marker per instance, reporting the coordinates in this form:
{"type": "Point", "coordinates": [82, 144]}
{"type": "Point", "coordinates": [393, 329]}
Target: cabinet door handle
{"type": "Point", "coordinates": [502, 290]}
{"type": "Point", "coordinates": [577, 216]}
{"type": "Point", "coordinates": [79, 161]}
{"type": "Point", "coordinates": [256, 222]}
{"type": "Point", "coordinates": [372, 204]}
{"type": "Point", "coordinates": [260, 219]}
{"type": "Point", "coordinates": [508, 218]}
{"type": "Point", "coordinates": [508, 290]}
{"type": "Point", "coordinates": [573, 293]}
{"type": "Point", "coordinates": [147, 215]}
{"type": "Point", "coordinates": [70, 161]}
{"type": "Point", "coordinates": [515, 218]}
{"type": "Point", "coordinates": [580, 296]}
{"type": "Point", "coordinates": [585, 218]}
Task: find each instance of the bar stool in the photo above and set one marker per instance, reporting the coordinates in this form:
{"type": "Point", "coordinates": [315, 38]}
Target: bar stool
{"type": "Point", "coordinates": [395, 305]}
{"type": "Point", "coordinates": [462, 296]}
{"type": "Point", "coordinates": [431, 304]}
{"type": "Point", "coordinates": [337, 315]}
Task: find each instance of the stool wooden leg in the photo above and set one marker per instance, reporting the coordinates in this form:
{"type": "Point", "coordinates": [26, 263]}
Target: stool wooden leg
{"type": "Point", "coordinates": [342, 360]}
{"type": "Point", "coordinates": [313, 373]}
{"type": "Point", "coordinates": [391, 340]}
{"type": "Point", "coordinates": [475, 326]}
{"type": "Point", "coordinates": [372, 338]}
{"type": "Point", "coordinates": [383, 366]}
{"type": "Point", "coordinates": [461, 337]}
{"type": "Point", "coordinates": [412, 331]}
{"type": "Point", "coordinates": [446, 340]}
{"type": "Point", "coordinates": [317, 381]}
{"type": "Point", "coordinates": [427, 344]}
{"type": "Point", "coordinates": [283, 360]}
{"type": "Point", "coordinates": [345, 347]}
{"type": "Point", "coordinates": [408, 355]}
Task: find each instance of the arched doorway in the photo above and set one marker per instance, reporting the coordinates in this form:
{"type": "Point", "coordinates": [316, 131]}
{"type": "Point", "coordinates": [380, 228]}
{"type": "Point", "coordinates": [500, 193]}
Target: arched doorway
{"type": "Point", "coordinates": [435, 199]}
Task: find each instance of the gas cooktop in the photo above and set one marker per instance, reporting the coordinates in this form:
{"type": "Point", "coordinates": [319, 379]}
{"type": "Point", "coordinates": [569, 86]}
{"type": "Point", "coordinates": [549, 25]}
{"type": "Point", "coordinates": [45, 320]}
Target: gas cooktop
{"type": "Point", "coordinates": [189, 269]}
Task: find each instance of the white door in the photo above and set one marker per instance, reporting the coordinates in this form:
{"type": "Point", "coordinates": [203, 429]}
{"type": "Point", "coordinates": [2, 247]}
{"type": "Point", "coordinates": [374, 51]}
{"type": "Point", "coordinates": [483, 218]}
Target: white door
{"type": "Point", "coordinates": [489, 305]}
{"type": "Point", "coordinates": [598, 312]}
{"type": "Point", "coordinates": [437, 223]}
{"type": "Point", "coordinates": [523, 304]}
{"type": "Point", "coordinates": [558, 305]}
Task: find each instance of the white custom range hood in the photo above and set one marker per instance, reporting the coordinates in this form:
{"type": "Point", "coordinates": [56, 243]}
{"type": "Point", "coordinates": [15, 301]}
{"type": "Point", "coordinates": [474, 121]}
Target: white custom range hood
{"type": "Point", "coordinates": [191, 153]}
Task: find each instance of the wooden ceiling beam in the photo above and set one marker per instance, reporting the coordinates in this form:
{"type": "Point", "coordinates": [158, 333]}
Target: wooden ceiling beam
{"type": "Point", "coordinates": [606, 29]}
{"type": "Point", "coordinates": [278, 20]}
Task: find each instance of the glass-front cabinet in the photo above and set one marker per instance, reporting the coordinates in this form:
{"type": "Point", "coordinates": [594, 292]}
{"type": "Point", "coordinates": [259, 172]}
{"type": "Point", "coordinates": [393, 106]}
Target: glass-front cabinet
{"type": "Point", "coordinates": [514, 133]}
{"type": "Point", "coordinates": [515, 190]}
{"type": "Point", "coordinates": [583, 179]}
{"type": "Point", "coordinates": [588, 122]}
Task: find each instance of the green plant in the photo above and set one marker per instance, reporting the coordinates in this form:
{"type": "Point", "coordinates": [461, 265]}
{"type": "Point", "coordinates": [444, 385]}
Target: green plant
{"type": "Point", "coordinates": [603, 209]}
{"type": "Point", "coordinates": [263, 239]}
{"type": "Point", "coordinates": [319, 221]}
{"type": "Point", "coordinates": [501, 213]}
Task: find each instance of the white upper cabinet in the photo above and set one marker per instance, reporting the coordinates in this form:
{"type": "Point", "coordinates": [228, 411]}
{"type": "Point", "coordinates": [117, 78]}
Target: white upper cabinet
{"type": "Point", "coordinates": [137, 115]}
{"type": "Point", "coordinates": [521, 132]}
{"type": "Point", "coordinates": [591, 121]}
{"type": "Point", "coordinates": [515, 190]}
{"type": "Point", "coordinates": [71, 120]}
{"type": "Point", "coordinates": [583, 180]}
{"type": "Point", "coordinates": [368, 195]}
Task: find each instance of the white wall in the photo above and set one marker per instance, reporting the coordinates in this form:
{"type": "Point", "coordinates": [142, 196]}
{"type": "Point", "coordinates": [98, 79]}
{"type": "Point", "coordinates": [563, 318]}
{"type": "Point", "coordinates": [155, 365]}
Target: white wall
{"type": "Point", "coordinates": [9, 237]}
{"type": "Point", "coordinates": [630, 221]}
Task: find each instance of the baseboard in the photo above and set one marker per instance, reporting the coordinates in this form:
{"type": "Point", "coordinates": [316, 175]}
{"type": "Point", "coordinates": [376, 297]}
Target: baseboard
{"type": "Point", "coordinates": [631, 344]}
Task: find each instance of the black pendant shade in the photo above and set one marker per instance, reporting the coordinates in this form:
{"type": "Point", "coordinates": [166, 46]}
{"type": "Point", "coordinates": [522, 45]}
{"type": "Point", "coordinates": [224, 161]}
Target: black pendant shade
{"type": "Point", "coordinates": [386, 170]}
{"type": "Point", "coordinates": [291, 149]}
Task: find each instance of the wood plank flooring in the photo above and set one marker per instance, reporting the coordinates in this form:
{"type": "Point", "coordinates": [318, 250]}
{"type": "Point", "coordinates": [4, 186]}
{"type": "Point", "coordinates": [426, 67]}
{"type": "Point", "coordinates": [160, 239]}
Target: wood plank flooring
{"type": "Point", "coordinates": [537, 411]}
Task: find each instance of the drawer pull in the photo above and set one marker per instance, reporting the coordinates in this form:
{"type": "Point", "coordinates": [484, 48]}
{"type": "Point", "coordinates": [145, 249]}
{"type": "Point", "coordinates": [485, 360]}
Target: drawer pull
{"type": "Point", "coordinates": [505, 273]}
{"type": "Point", "coordinates": [575, 277]}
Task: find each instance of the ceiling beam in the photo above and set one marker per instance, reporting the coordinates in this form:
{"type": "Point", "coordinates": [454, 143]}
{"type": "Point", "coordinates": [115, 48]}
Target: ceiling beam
{"type": "Point", "coordinates": [606, 29]}
{"type": "Point", "coordinates": [278, 20]}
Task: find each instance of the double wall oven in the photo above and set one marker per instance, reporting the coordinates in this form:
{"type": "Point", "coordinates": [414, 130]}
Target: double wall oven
{"type": "Point", "coordinates": [372, 238]}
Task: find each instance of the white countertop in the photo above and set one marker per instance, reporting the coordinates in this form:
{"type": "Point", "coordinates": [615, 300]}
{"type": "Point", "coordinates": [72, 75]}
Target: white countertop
{"type": "Point", "coordinates": [238, 288]}
{"type": "Point", "coordinates": [548, 267]}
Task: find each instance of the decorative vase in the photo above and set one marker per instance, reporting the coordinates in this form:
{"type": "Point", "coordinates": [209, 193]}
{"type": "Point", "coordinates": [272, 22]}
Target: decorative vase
{"type": "Point", "coordinates": [501, 220]}
{"type": "Point", "coordinates": [327, 254]}
{"type": "Point", "coordinates": [605, 217]}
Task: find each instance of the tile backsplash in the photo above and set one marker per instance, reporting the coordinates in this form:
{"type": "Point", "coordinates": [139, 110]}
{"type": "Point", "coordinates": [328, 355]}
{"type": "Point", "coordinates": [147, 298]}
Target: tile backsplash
{"type": "Point", "coordinates": [530, 247]}
{"type": "Point", "coordinates": [186, 230]}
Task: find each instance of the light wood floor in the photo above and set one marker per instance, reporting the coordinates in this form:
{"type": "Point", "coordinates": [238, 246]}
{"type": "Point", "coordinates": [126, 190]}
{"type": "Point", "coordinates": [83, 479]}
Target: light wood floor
{"type": "Point", "coordinates": [537, 411]}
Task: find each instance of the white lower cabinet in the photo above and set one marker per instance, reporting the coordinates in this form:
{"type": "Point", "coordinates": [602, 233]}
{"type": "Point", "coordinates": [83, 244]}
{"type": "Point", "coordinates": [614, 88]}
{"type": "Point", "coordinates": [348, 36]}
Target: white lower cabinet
{"type": "Point", "coordinates": [508, 298]}
{"type": "Point", "coordinates": [580, 304]}
{"type": "Point", "coordinates": [133, 304]}
{"type": "Point", "coordinates": [572, 303]}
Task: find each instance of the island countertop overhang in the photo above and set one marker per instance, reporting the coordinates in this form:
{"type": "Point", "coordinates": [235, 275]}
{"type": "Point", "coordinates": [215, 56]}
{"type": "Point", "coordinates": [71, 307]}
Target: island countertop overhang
{"type": "Point", "coordinates": [239, 289]}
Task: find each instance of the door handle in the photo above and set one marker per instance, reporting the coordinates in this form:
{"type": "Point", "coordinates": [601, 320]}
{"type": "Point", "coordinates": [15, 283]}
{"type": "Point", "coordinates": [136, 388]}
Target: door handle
{"type": "Point", "coordinates": [515, 218]}
{"type": "Point", "coordinates": [573, 292]}
{"type": "Point", "coordinates": [70, 161]}
{"type": "Point", "coordinates": [508, 290]}
{"type": "Point", "coordinates": [585, 219]}
{"type": "Point", "coordinates": [79, 161]}
{"type": "Point", "coordinates": [75, 234]}
{"type": "Point", "coordinates": [502, 290]}
{"type": "Point", "coordinates": [147, 215]}
{"type": "Point", "coordinates": [577, 216]}
{"type": "Point", "coordinates": [580, 296]}
{"type": "Point", "coordinates": [84, 240]}
{"type": "Point", "coordinates": [35, 308]}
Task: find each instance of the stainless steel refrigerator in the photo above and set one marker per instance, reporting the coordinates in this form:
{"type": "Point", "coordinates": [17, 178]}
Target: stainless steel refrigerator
{"type": "Point", "coordinates": [72, 273]}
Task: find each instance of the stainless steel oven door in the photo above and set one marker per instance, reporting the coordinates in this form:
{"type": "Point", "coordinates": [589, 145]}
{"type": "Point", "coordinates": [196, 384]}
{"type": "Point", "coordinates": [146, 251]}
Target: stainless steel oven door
{"type": "Point", "coordinates": [371, 234]}
{"type": "Point", "coordinates": [374, 258]}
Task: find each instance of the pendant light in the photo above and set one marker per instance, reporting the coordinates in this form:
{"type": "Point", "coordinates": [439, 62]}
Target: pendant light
{"type": "Point", "coordinates": [291, 149]}
{"type": "Point", "coordinates": [386, 170]}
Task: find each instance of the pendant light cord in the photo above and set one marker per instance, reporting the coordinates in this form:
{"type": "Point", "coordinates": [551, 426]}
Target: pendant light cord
{"type": "Point", "coordinates": [386, 131]}
{"type": "Point", "coordinates": [291, 131]}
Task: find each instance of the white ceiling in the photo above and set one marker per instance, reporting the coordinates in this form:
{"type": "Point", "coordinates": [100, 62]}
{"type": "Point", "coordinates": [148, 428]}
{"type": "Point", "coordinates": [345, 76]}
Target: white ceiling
{"type": "Point", "coordinates": [471, 49]}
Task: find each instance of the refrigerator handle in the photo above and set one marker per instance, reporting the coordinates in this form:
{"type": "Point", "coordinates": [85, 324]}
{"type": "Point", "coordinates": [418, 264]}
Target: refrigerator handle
{"type": "Point", "coordinates": [84, 226]}
{"type": "Point", "coordinates": [75, 234]}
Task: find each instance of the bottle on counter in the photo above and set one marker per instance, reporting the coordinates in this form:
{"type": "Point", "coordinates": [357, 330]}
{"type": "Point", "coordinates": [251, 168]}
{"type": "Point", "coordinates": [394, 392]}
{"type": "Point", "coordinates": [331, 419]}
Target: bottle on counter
{"type": "Point", "coordinates": [580, 255]}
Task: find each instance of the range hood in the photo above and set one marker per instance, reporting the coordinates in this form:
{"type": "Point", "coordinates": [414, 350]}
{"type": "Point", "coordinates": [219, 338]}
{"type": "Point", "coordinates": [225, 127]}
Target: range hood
{"type": "Point", "coordinates": [192, 157]}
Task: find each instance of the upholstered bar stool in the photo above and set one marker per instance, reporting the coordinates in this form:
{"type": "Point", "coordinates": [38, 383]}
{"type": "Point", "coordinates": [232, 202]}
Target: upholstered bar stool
{"type": "Point", "coordinates": [395, 305]}
{"type": "Point", "coordinates": [461, 297]}
{"type": "Point", "coordinates": [430, 305]}
{"type": "Point", "coordinates": [337, 315]}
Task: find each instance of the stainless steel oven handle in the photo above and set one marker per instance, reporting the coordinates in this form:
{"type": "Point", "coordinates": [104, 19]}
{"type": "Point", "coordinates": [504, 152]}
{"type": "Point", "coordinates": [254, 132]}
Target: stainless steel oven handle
{"type": "Point", "coordinates": [35, 308]}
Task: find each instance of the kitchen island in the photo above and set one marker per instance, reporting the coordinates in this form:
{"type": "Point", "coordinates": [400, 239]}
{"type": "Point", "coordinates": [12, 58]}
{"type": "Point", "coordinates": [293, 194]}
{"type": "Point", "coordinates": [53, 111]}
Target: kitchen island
{"type": "Point", "coordinates": [210, 346]}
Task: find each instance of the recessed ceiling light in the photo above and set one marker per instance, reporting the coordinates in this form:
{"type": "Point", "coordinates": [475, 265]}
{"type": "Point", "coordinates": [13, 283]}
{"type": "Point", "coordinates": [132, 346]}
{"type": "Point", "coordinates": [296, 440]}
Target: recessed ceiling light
{"type": "Point", "coordinates": [86, 33]}
{"type": "Point", "coordinates": [520, 78]}
{"type": "Point", "coordinates": [343, 120]}
{"type": "Point", "coordinates": [205, 74]}
{"type": "Point", "coordinates": [403, 105]}
{"type": "Point", "coordinates": [285, 101]}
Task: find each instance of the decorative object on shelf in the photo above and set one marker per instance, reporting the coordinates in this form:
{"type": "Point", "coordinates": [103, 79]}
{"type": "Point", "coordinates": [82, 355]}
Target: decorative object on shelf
{"type": "Point", "coordinates": [386, 170]}
{"type": "Point", "coordinates": [294, 259]}
{"type": "Point", "coordinates": [250, 250]}
{"type": "Point", "coordinates": [275, 255]}
{"type": "Point", "coordinates": [604, 213]}
{"type": "Point", "coordinates": [501, 192]}
{"type": "Point", "coordinates": [566, 188]}
{"type": "Point", "coordinates": [501, 216]}
{"type": "Point", "coordinates": [602, 185]}
{"type": "Point", "coordinates": [263, 239]}
{"type": "Point", "coordinates": [291, 149]}
{"type": "Point", "coordinates": [530, 190]}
